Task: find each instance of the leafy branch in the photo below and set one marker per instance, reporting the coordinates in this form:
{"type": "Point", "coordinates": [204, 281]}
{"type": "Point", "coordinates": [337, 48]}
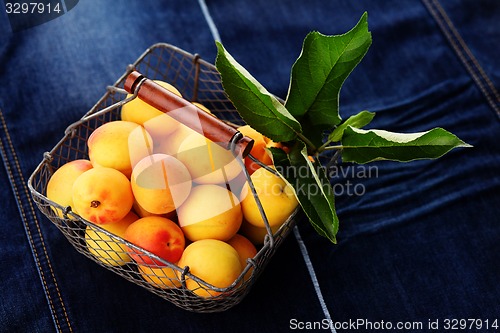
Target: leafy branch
{"type": "Point", "coordinates": [311, 108]}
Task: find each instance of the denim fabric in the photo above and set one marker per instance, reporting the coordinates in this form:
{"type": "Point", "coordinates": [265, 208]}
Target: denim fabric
{"type": "Point", "coordinates": [420, 244]}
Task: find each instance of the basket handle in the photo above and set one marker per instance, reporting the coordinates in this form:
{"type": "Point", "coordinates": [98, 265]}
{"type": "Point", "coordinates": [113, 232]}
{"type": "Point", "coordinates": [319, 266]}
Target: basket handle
{"type": "Point", "coordinates": [191, 116]}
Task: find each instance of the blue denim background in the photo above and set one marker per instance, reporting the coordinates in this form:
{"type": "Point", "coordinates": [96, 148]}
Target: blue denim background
{"type": "Point", "coordinates": [422, 244]}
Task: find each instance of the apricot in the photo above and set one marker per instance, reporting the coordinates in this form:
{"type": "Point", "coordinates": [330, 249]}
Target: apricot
{"type": "Point", "coordinates": [160, 277]}
{"type": "Point", "coordinates": [160, 183]}
{"type": "Point", "coordinates": [258, 150]}
{"type": "Point", "coordinates": [256, 234]}
{"type": "Point", "coordinates": [170, 145]}
{"type": "Point", "coordinates": [210, 211]}
{"type": "Point", "coordinates": [119, 145]}
{"type": "Point", "coordinates": [102, 195]}
{"type": "Point", "coordinates": [110, 251]}
{"type": "Point", "coordinates": [60, 185]}
{"type": "Point", "coordinates": [213, 261]}
{"type": "Point", "coordinates": [246, 250]}
{"type": "Point", "coordinates": [157, 235]}
{"type": "Point", "coordinates": [276, 196]}
{"type": "Point", "coordinates": [144, 213]}
{"type": "Point", "coordinates": [157, 123]}
{"type": "Point", "coordinates": [207, 162]}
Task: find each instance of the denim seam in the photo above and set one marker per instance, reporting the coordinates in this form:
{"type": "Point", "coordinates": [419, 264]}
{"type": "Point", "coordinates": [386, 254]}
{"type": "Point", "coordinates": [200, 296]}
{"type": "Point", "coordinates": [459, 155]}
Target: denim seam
{"type": "Point", "coordinates": [22, 210]}
{"type": "Point", "coordinates": [465, 55]}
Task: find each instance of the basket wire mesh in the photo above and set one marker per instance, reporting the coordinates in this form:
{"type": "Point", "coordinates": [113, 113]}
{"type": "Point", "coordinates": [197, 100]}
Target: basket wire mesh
{"type": "Point", "coordinates": [199, 81]}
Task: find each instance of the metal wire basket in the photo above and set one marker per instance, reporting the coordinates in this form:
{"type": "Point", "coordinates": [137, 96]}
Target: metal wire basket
{"type": "Point", "coordinates": [199, 81]}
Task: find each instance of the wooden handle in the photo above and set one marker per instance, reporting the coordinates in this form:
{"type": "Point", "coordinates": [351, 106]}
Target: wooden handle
{"type": "Point", "coordinates": [188, 113]}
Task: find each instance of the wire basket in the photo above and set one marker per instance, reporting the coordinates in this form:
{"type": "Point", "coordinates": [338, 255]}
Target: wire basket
{"type": "Point", "coordinates": [197, 80]}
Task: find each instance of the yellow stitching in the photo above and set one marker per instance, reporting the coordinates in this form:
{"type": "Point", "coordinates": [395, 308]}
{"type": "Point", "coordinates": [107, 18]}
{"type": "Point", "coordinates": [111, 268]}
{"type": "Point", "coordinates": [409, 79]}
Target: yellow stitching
{"type": "Point", "coordinates": [467, 50]}
{"type": "Point", "coordinates": [14, 187]}
{"type": "Point", "coordinates": [29, 235]}
{"type": "Point", "coordinates": [46, 254]}
{"type": "Point", "coordinates": [460, 54]}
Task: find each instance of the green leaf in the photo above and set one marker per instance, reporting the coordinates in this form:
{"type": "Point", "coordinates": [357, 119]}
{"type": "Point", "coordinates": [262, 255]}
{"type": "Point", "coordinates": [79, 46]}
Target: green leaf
{"type": "Point", "coordinates": [362, 146]}
{"type": "Point", "coordinates": [258, 108]}
{"type": "Point", "coordinates": [312, 187]}
{"type": "Point", "coordinates": [358, 120]}
{"type": "Point", "coordinates": [279, 157]}
{"type": "Point", "coordinates": [320, 71]}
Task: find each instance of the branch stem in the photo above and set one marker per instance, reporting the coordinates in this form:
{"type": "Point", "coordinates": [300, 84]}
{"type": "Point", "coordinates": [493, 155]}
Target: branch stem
{"type": "Point", "coordinates": [338, 147]}
{"type": "Point", "coordinates": [307, 141]}
{"type": "Point", "coordinates": [323, 146]}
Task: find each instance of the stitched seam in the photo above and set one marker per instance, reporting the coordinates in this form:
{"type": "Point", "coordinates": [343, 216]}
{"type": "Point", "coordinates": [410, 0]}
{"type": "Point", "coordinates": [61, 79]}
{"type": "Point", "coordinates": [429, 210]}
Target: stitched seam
{"type": "Point", "coordinates": [30, 237]}
{"type": "Point", "coordinates": [23, 214]}
{"type": "Point", "coordinates": [460, 49]}
{"type": "Point", "coordinates": [35, 252]}
{"type": "Point", "coordinates": [461, 41]}
{"type": "Point", "coordinates": [42, 240]}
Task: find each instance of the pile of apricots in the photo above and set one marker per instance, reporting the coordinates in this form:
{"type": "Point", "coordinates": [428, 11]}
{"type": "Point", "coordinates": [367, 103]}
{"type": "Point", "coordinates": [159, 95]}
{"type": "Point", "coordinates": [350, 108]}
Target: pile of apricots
{"type": "Point", "coordinates": [164, 188]}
